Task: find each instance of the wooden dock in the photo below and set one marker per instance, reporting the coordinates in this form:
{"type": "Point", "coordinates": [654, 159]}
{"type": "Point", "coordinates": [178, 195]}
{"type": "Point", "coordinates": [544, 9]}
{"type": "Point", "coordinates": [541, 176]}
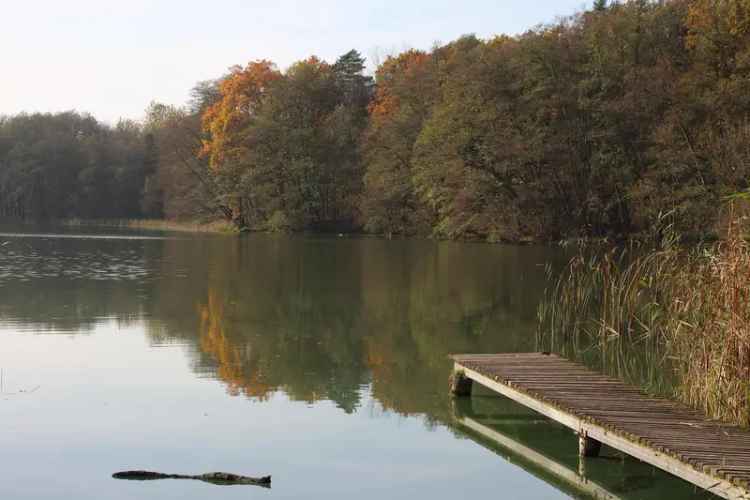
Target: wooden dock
{"type": "Point", "coordinates": [601, 409]}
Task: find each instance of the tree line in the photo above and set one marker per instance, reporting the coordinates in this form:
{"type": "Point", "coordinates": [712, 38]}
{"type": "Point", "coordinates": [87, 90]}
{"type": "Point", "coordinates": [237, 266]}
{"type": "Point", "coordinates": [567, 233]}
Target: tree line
{"type": "Point", "coordinates": [594, 125]}
{"type": "Point", "coordinates": [68, 165]}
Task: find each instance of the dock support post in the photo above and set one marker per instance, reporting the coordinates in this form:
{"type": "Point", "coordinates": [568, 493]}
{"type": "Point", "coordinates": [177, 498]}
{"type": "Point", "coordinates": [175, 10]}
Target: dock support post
{"type": "Point", "coordinates": [588, 447]}
{"type": "Point", "coordinates": [460, 383]}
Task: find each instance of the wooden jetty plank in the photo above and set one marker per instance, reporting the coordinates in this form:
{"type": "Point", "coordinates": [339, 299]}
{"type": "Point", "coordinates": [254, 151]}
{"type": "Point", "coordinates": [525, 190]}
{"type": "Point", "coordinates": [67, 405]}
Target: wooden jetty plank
{"type": "Point", "coordinates": [601, 409]}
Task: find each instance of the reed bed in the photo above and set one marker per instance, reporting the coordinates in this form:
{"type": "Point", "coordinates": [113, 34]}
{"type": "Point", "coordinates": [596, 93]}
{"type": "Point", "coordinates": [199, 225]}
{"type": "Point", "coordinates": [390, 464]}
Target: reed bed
{"type": "Point", "coordinates": [672, 320]}
{"type": "Point", "coordinates": [158, 224]}
{"type": "Point", "coordinates": [193, 227]}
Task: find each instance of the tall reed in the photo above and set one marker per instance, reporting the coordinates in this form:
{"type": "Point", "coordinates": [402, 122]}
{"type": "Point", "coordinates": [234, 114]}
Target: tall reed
{"type": "Point", "coordinates": [672, 320]}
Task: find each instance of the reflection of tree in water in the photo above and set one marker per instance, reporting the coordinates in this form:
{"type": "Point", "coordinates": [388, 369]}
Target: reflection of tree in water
{"type": "Point", "coordinates": [44, 288]}
{"type": "Point", "coordinates": [317, 319]}
{"type": "Point", "coordinates": [53, 305]}
{"type": "Point", "coordinates": [321, 319]}
{"type": "Point", "coordinates": [229, 358]}
{"type": "Point", "coordinates": [258, 360]}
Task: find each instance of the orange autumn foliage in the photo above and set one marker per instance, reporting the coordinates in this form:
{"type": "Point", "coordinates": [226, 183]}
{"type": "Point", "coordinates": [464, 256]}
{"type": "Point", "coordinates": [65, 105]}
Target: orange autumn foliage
{"type": "Point", "coordinates": [225, 120]}
{"type": "Point", "coordinates": [406, 67]}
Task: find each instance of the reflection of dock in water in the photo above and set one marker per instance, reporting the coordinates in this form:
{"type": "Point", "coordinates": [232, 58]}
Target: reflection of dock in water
{"type": "Point", "coordinates": [490, 429]}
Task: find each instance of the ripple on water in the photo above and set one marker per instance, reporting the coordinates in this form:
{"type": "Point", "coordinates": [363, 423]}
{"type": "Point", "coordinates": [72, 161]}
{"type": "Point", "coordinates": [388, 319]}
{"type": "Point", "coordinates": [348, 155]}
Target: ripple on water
{"type": "Point", "coordinates": [32, 257]}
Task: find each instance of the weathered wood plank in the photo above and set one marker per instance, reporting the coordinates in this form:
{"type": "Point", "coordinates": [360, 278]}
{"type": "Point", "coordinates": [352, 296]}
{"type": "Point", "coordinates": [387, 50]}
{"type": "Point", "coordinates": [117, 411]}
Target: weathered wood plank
{"type": "Point", "coordinates": [601, 409]}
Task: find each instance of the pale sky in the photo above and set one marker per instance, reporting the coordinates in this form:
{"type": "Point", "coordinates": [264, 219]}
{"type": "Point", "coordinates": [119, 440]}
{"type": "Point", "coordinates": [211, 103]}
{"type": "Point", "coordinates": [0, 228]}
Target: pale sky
{"type": "Point", "coordinates": [112, 58]}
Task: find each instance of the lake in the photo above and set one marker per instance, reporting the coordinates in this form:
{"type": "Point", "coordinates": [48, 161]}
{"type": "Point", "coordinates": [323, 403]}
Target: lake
{"type": "Point", "coordinates": [319, 360]}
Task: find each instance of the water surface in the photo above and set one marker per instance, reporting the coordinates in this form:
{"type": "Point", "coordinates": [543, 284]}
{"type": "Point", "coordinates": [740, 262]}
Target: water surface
{"type": "Point", "coordinates": [321, 361]}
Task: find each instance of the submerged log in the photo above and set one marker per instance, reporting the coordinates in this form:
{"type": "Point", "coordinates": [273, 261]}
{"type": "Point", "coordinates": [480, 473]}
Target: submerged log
{"type": "Point", "coordinates": [220, 478]}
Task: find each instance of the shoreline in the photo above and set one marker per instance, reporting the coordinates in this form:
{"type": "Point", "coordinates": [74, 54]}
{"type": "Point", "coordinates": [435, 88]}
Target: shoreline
{"type": "Point", "coordinates": [227, 228]}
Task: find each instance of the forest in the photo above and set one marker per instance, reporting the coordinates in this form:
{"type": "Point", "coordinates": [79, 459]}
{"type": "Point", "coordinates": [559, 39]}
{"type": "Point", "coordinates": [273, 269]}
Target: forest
{"type": "Point", "coordinates": [595, 125]}
{"type": "Point", "coordinates": [68, 165]}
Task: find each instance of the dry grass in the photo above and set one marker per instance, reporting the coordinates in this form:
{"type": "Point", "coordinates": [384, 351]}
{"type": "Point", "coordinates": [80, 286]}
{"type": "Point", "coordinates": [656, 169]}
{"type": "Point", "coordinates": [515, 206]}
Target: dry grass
{"type": "Point", "coordinates": [672, 320]}
{"type": "Point", "coordinates": [710, 330]}
{"type": "Point", "coordinates": [193, 227]}
{"type": "Point", "coordinates": [160, 225]}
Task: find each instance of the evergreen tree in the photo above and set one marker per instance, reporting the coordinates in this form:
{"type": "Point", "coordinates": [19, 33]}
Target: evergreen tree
{"type": "Point", "coordinates": [350, 79]}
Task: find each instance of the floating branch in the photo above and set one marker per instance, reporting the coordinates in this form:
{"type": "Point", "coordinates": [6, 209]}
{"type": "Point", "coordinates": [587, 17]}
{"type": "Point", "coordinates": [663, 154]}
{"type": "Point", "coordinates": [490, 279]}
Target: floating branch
{"type": "Point", "coordinates": [220, 478]}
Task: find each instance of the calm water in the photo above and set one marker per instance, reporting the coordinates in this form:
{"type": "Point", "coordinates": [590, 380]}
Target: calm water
{"type": "Point", "coordinates": [321, 361]}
